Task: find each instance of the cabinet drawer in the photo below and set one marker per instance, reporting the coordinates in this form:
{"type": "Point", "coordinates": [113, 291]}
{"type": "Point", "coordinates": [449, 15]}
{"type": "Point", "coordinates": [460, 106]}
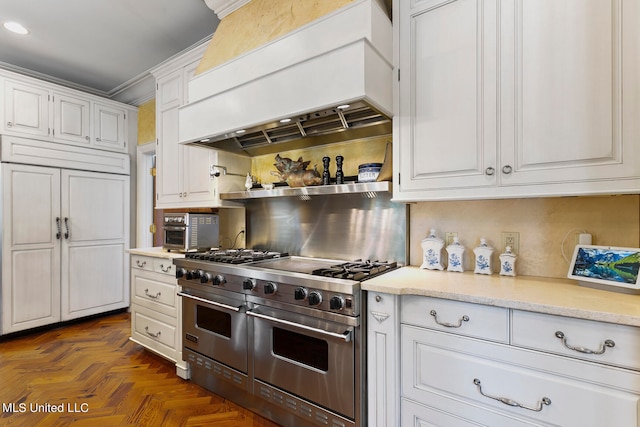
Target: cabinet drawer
{"type": "Point", "coordinates": [149, 328]}
{"type": "Point", "coordinates": [440, 369]}
{"type": "Point", "coordinates": [164, 266]}
{"type": "Point", "coordinates": [142, 262]}
{"type": "Point", "coordinates": [474, 320]}
{"type": "Point", "coordinates": [589, 340]}
{"type": "Point", "coordinates": [155, 291]}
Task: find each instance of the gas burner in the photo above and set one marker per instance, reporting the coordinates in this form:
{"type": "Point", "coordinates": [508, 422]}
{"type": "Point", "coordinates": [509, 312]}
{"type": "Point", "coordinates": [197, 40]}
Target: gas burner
{"type": "Point", "coordinates": [234, 256]}
{"type": "Point", "coordinates": [356, 270]}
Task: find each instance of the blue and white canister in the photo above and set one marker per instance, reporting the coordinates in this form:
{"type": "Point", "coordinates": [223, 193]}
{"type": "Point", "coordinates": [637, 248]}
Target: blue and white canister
{"type": "Point", "coordinates": [456, 256]}
{"type": "Point", "coordinates": [432, 252]}
{"type": "Point", "coordinates": [508, 262]}
{"type": "Point", "coordinates": [483, 257]}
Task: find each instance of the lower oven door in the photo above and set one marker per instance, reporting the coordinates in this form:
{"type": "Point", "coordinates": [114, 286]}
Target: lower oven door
{"type": "Point", "coordinates": [305, 356]}
{"type": "Point", "coordinates": [215, 326]}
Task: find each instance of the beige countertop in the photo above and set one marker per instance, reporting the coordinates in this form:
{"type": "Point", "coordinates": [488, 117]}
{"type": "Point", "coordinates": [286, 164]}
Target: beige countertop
{"type": "Point", "coordinates": [156, 252]}
{"type": "Point", "coordinates": [562, 297]}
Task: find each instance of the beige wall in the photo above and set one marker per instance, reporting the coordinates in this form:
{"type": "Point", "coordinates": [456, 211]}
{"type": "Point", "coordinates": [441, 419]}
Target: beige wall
{"type": "Point", "coordinates": [259, 22]}
{"type": "Point", "coordinates": [147, 122]}
{"type": "Point", "coordinates": [542, 224]}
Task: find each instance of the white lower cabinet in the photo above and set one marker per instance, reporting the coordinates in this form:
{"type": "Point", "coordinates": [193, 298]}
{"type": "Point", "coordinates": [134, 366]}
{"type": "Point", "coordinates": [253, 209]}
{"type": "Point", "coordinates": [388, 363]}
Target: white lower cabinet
{"type": "Point", "coordinates": [476, 365]}
{"type": "Point", "coordinates": [156, 311]}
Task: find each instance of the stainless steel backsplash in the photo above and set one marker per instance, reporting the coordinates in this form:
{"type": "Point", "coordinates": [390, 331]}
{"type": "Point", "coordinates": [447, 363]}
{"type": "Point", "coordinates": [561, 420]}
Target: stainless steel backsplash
{"type": "Point", "coordinates": [338, 227]}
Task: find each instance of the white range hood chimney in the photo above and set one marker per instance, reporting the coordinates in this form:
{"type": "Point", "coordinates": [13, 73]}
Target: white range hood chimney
{"type": "Point", "coordinates": [307, 76]}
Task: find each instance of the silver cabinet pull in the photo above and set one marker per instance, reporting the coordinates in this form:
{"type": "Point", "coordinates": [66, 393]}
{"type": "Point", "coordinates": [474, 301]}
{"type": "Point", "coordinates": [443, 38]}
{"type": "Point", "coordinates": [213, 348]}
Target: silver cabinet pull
{"type": "Point", "coordinates": [87, 138]}
{"type": "Point", "coordinates": [464, 318]}
{"type": "Point", "coordinates": [580, 349]}
{"type": "Point", "coordinates": [511, 402]}
{"type": "Point", "coordinates": [489, 171]}
{"type": "Point", "coordinates": [66, 225]}
{"type": "Point", "coordinates": [156, 296]}
{"type": "Point", "coordinates": [98, 139]}
{"type": "Point", "coordinates": [507, 169]}
{"type": "Point", "coordinates": [141, 264]}
{"type": "Point", "coordinates": [165, 270]}
{"type": "Point", "coordinates": [151, 334]}
{"type": "Point", "coordinates": [9, 124]}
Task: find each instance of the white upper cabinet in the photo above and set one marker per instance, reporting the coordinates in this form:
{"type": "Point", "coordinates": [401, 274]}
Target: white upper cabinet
{"type": "Point", "coordinates": [524, 99]}
{"type": "Point", "coordinates": [26, 109]}
{"type": "Point", "coordinates": [71, 119]}
{"type": "Point", "coordinates": [183, 172]}
{"type": "Point", "coordinates": [48, 112]}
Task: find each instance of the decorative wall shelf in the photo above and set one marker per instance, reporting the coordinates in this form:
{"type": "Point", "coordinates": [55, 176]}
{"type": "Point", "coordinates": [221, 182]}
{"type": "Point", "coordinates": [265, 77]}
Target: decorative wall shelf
{"type": "Point", "coordinates": [367, 189]}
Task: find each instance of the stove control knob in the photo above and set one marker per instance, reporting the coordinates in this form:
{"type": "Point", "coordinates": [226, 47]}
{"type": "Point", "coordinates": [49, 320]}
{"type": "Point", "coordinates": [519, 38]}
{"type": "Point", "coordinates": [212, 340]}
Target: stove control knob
{"type": "Point", "coordinates": [315, 298]}
{"type": "Point", "coordinates": [248, 284]}
{"type": "Point", "coordinates": [336, 303]}
{"type": "Point", "coordinates": [219, 280]}
{"type": "Point", "coordinates": [205, 278]}
{"type": "Point", "coordinates": [300, 293]}
{"type": "Point", "coordinates": [181, 272]}
{"type": "Point", "coordinates": [198, 274]}
{"type": "Point", "coordinates": [270, 288]}
{"type": "Point", "coordinates": [190, 275]}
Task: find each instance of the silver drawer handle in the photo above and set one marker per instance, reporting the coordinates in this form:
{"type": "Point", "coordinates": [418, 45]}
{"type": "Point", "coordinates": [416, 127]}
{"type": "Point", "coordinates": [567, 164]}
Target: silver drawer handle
{"type": "Point", "coordinates": [141, 264]}
{"type": "Point", "coordinates": [151, 334]}
{"type": "Point", "coordinates": [346, 336]}
{"type": "Point", "coordinates": [511, 402]}
{"type": "Point", "coordinates": [156, 296]}
{"type": "Point", "coordinates": [9, 124]}
{"type": "Point", "coordinates": [165, 270]}
{"type": "Point", "coordinates": [464, 318]}
{"type": "Point", "coordinates": [579, 349]}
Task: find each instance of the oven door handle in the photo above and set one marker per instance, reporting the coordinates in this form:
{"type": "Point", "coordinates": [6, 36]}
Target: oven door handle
{"type": "Point", "coordinates": [345, 336]}
{"type": "Point", "coordinates": [217, 304]}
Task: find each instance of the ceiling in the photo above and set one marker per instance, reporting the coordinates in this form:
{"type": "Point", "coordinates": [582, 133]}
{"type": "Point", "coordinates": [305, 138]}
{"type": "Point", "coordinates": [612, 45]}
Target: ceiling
{"type": "Point", "coordinates": [101, 46]}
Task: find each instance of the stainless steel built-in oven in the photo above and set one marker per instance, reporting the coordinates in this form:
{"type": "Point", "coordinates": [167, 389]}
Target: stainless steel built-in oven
{"type": "Point", "coordinates": [215, 325]}
{"type": "Point", "coordinates": [311, 358]}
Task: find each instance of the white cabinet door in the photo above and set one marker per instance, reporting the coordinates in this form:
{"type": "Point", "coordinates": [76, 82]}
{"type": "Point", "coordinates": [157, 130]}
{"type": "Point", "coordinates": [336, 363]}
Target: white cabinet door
{"type": "Point", "coordinates": [95, 215]}
{"type": "Point", "coordinates": [71, 119]}
{"type": "Point", "coordinates": [196, 180]}
{"type": "Point", "coordinates": [26, 109]}
{"type": "Point", "coordinates": [31, 247]}
{"type": "Point", "coordinates": [109, 127]}
{"type": "Point", "coordinates": [447, 94]}
{"type": "Point", "coordinates": [569, 91]}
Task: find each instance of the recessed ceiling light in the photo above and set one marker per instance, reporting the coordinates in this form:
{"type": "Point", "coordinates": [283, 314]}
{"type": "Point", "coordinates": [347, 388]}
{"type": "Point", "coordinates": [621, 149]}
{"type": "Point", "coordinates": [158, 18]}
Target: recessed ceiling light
{"type": "Point", "coordinates": [241, 131]}
{"type": "Point", "coordinates": [285, 120]}
{"type": "Point", "coordinates": [16, 27]}
{"type": "Point", "coordinates": [343, 106]}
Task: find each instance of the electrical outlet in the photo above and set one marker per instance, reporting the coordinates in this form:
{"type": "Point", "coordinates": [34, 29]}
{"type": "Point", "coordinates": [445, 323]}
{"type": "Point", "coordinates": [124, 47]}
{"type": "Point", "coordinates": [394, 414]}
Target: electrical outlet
{"type": "Point", "coordinates": [448, 237]}
{"type": "Point", "coordinates": [511, 238]}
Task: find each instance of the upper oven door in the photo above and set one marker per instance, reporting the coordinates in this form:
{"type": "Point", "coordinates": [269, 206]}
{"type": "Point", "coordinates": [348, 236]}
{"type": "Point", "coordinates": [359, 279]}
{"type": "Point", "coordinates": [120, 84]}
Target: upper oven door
{"type": "Point", "coordinates": [215, 326]}
{"type": "Point", "coordinates": [306, 356]}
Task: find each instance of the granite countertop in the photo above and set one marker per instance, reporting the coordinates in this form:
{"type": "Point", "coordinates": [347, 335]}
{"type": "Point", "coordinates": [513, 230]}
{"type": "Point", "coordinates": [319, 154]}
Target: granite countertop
{"type": "Point", "coordinates": [156, 252]}
{"type": "Point", "coordinates": [562, 297]}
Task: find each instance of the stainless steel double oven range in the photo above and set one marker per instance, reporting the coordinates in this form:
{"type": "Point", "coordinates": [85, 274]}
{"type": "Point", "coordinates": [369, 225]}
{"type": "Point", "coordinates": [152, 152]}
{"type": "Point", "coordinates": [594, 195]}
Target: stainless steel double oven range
{"type": "Point", "coordinates": [281, 335]}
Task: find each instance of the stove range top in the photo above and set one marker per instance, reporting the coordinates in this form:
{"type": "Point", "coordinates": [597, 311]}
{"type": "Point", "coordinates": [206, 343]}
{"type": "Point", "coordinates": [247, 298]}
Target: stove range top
{"type": "Point", "coordinates": [234, 256]}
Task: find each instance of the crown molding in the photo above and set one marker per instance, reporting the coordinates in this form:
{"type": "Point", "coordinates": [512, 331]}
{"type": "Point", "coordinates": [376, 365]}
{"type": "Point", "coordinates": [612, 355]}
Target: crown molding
{"type": "Point", "coordinates": [223, 8]}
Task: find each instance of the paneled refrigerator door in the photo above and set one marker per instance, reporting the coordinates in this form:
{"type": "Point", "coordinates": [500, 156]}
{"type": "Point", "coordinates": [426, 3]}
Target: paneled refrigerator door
{"type": "Point", "coordinates": [30, 246]}
{"type": "Point", "coordinates": [95, 223]}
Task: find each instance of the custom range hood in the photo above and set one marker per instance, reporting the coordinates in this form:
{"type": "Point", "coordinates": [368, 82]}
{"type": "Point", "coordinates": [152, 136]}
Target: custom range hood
{"type": "Point", "coordinates": [325, 82]}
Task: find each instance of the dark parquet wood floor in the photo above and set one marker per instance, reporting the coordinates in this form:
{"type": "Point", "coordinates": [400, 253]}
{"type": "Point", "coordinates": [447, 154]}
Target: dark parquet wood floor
{"type": "Point", "coordinates": [91, 374]}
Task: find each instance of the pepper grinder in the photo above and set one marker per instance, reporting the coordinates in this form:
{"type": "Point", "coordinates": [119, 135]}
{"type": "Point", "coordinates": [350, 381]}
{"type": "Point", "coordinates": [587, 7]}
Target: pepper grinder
{"type": "Point", "coordinates": [483, 257]}
{"type": "Point", "coordinates": [432, 250]}
{"type": "Point", "coordinates": [339, 173]}
{"type": "Point", "coordinates": [508, 262]}
{"type": "Point", "coordinates": [326, 177]}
